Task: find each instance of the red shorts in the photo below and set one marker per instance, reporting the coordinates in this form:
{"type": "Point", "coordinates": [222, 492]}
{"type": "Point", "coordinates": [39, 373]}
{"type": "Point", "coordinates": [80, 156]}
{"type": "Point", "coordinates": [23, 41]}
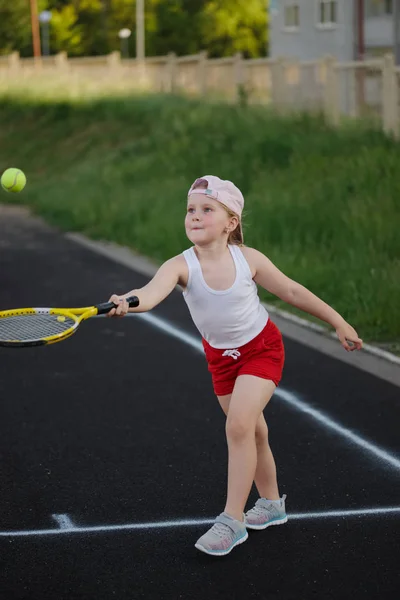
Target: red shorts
{"type": "Point", "coordinates": [263, 357]}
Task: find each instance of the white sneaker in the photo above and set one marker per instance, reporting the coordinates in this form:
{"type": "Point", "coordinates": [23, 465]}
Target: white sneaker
{"type": "Point", "coordinates": [266, 513]}
{"type": "Point", "coordinates": [224, 535]}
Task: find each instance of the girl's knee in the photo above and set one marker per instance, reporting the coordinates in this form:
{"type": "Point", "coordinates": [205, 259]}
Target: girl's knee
{"type": "Point", "coordinates": [238, 429]}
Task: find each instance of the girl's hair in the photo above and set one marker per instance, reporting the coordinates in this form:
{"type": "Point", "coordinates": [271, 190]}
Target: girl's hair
{"type": "Point", "coordinates": [234, 237]}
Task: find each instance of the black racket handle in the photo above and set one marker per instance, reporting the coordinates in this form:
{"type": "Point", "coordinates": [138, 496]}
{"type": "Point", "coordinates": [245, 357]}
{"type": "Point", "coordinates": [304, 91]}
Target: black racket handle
{"type": "Point", "coordinates": [105, 307]}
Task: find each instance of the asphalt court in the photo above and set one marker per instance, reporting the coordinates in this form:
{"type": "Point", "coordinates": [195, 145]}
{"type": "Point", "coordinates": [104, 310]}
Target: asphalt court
{"type": "Point", "coordinates": [118, 427]}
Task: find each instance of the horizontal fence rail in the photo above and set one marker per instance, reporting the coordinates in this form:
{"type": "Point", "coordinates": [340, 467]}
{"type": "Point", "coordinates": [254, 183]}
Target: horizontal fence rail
{"type": "Point", "coordinates": [368, 90]}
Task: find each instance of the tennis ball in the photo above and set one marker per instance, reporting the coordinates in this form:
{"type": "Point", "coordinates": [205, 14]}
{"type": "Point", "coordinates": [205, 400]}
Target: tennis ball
{"type": "Point", "coordinates": [13, 180]}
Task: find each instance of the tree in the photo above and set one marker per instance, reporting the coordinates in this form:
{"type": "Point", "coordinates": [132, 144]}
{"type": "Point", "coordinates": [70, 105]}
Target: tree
{"type": "Point", "coordinates": [15, 26]}
{"type": "Point", "coordinates": [66, 32]}
{"type": "Point", "coordinates": [175, 26]}
{"type": "Point", "coordinates": [230, 26]}
{"type": "Point", "coordinates": [90, 27]}
{"type": "Point", "coordinates": [221, 27]}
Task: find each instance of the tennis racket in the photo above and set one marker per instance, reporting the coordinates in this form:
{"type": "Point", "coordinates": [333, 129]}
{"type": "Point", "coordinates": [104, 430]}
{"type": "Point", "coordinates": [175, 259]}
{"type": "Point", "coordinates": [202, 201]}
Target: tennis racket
{"type": "Point", "coordinates": [24, 327]}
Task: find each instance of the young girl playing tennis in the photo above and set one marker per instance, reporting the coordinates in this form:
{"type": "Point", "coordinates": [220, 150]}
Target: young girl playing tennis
{"type": "Point", "coordinates": [243, 348]}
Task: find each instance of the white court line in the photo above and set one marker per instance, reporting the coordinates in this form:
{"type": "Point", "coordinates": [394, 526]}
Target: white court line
{"type": "Point", "coordinates": [196, 522]}
{"type": "Point", "coordinates": [283, 394]}
{"type": "Point", "coordinates": [67, 526]}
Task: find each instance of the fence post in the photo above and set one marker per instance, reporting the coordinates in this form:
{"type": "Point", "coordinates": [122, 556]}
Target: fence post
{"type": "Point", "coordinates": [390, 96]}
{"type": "Point", "coordinates": [170, 73]}
{"type": "Point", "coordinates": [13, 61]}
{"type": "Point", "coordinates": [239, 78]}
{"type": "Point", "coordinates": [202, 73]}
{"type": "Point", "coordinates": [61, 61]}
{"type": "Point", "coordinates": [114, 60]}
{"type": "Point", "coordinates": [278, 87]}
{"type": "Point", "coordinates": [331, 91]}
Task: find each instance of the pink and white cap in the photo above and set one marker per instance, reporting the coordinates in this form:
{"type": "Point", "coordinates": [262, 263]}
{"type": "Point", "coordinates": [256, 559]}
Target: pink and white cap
{"type": "Point", "coordinates": [223, 191]}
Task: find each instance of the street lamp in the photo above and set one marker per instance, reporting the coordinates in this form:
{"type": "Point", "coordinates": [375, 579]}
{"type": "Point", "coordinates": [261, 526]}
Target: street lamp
{"type": "Point", "coordinates": [272, 12]}
{"type": "Point", "coordinates": [272, 5]}
{"type": "Point", "coordinates": [140, 44]}
{"type": "Point", "coordinates": [124, 35]}
{"type": "Point", "coordinates": [45, 18]}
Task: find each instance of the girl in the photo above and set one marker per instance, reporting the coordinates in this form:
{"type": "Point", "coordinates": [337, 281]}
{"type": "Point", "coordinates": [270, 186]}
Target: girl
{"type": "Point", "coordinates": [243, 348]}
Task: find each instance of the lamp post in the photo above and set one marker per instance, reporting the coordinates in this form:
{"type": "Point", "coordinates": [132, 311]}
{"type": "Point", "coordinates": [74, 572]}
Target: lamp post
{"type": "Point", "coordinates": [124, 35]}
{"type": "Point", "coordinates": [272, 7]}
{"type": "Point", "coordinates": [272, 11]}
{"type": "Point", "coordinates": [140, 45]}
{"type": "Point", "coordinates": [45, 18]}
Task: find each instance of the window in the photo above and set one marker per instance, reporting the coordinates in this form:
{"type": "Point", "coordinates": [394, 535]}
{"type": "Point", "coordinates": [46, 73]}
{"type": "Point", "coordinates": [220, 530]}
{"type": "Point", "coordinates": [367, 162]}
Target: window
{"type": "Point", "coordinates": [378, 8]}
{"type": "Point", "coordinates": [388, 7]}
{"type": "Point", "coordinates": [327, 12]}
{"type": "Point", "coordinates": [292, 15]}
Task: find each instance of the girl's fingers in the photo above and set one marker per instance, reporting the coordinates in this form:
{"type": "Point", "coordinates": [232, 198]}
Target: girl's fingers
{"type": "Point", "coordinates": [349, 339]}
{"type": "Point", "coordinates": [122, 307]}
{"type": "Point", "coordinates": [352, 344]}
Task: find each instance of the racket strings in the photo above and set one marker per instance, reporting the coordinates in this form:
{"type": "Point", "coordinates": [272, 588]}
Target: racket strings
{"type": "Point", "coordinates": [33, 326]}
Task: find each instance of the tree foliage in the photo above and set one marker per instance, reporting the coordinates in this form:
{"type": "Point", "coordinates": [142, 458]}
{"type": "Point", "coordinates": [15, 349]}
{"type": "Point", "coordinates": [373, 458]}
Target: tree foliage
{"type": "Point", "coordinates": [90, 27]}
{"type": "Point", "coordinates": [15, 26]}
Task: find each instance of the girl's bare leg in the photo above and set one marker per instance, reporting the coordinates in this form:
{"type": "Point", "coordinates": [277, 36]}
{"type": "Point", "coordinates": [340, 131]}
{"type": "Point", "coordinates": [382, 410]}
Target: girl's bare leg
{"type": "Point", "coordinates": [249, 398]}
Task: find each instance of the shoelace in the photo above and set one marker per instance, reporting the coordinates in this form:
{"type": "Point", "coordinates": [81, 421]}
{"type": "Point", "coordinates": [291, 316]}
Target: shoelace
{"type": "Point", "coordinates": [259, 510]}
{"type": "Point", "coordinates": [234, 353]}
{"type": "Point", "coordinates": [221, 530]}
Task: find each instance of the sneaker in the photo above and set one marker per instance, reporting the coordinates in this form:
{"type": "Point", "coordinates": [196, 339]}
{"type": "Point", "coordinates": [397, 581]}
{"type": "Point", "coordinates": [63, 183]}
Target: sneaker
{"type": "Point", "coordinates": [266, 513]}
{"type": "Point", "coordinates": [224, 535]}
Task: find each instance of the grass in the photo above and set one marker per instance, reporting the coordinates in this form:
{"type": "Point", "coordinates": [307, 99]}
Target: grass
{"type": "Point", "coordinates": [322, 204]}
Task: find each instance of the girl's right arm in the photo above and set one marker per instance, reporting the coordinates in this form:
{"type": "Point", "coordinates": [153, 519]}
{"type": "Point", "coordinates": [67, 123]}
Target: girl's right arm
{"type": "Point", "coordinates": [164, 281]}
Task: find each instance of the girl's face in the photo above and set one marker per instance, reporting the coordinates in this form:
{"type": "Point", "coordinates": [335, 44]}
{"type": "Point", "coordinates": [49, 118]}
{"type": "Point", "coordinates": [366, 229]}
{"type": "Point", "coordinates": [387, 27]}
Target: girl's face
{"type": "Point", "coordinates": [206, 220]}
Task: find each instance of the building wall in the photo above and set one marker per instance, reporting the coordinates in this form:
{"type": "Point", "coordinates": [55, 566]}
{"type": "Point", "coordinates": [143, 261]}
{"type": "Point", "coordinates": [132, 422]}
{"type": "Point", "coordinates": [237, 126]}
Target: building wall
{"type": "Point", "coordinates": [310, 41]}
{"type": "Point", "coordinates": [379, 32]}
{"type": "Point", "coordinates": [378, 28]}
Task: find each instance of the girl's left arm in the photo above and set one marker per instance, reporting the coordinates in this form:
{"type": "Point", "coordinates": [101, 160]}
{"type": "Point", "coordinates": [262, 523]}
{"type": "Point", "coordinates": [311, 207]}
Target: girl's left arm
{"type": "Point", "coordinates": [274, 281]}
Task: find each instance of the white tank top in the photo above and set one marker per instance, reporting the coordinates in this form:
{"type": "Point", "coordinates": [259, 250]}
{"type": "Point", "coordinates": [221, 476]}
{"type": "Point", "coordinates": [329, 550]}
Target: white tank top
{"type": "Point", "coordinates": [225, 318]}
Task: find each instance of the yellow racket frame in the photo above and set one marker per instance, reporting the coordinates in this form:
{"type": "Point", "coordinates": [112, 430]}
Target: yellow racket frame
{"type": "Point", "coordinates": [77, 315]}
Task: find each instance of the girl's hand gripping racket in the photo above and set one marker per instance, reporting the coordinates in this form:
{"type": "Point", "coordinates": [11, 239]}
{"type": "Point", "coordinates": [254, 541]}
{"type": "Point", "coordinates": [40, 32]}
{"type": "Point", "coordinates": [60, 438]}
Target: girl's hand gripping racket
{"type": "Point", "coordinates": [24, 327]}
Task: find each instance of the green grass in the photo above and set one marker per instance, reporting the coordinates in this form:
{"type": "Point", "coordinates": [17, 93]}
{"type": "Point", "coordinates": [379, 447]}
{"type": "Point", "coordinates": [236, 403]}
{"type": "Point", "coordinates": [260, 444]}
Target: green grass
{"type": "Point", "coordinates": [323, 204]}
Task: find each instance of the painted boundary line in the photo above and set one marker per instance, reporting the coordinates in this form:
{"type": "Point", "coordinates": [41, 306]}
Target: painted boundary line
{"type": "Point", "coordinates": [395, 510]}
{"type": "Point", "coordinates": [286, 396]}
{"type": "Point", "coordinates": [66, 525]}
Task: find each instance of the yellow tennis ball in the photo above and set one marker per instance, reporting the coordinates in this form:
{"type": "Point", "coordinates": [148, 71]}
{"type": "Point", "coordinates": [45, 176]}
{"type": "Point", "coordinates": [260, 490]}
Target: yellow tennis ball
{"type": "Point", "coordinates": [13, 180]}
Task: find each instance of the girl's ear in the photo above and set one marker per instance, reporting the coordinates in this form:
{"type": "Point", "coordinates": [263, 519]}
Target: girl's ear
{"type": "Point", "coordinates": [234, 222]}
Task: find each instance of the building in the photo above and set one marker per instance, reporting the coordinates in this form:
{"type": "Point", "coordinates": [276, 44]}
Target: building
{"type": "Point", "coordinates": [346, 29]}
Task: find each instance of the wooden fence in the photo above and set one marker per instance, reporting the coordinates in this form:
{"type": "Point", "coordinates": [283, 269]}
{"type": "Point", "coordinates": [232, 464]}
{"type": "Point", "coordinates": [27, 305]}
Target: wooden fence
{"type": "Point", "coordinates": [368, 89]}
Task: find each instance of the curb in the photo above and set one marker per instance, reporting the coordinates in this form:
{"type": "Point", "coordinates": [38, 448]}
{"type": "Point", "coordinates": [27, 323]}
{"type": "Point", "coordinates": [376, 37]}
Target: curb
{"type": "Point", "coordinates": [324, 331]}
